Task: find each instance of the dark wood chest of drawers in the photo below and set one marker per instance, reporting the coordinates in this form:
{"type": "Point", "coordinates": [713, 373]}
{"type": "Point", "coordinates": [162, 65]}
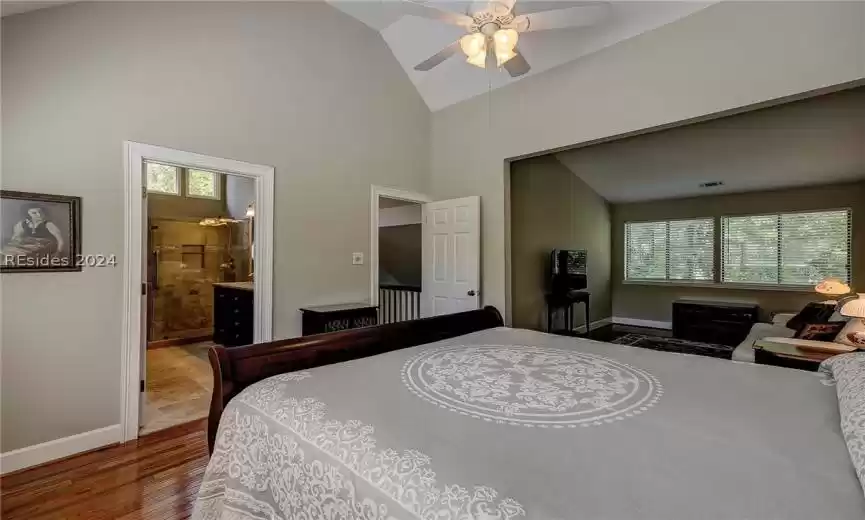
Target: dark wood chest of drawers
{"type": "Point", "coordinates": [233, 316]}
{"type": "Point", "coordinates": [343, 316]}
{"type": "Point", "coordinates": [725, 323]}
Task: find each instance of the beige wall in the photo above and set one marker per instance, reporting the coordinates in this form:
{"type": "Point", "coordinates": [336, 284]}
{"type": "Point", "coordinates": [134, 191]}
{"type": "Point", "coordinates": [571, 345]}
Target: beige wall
{"type": "Point", "coordinates": [229, 79]}
{"type": "Point", "coordinates": [730, 55]}
{"type": "Point", "coordinates": [653, 302]}
{"type": "Point", "coordinates": [551, 208]}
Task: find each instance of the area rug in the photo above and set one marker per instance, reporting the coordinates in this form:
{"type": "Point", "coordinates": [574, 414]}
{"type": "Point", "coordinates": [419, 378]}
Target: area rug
{"type": "Point", "coordinates": [682, 346]}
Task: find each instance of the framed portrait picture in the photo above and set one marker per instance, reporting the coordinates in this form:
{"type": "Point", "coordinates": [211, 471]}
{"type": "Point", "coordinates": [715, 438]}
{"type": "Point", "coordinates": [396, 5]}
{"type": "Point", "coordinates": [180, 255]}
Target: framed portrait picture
{"type": "Point", "coordinates": [40, 233]}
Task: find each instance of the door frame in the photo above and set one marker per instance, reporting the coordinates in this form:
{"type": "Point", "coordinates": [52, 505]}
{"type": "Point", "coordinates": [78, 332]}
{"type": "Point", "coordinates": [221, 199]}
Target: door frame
{"type": "Point", "coordinates": [134, 215]}
{"type": "Point", "coordinates": [376, 193]}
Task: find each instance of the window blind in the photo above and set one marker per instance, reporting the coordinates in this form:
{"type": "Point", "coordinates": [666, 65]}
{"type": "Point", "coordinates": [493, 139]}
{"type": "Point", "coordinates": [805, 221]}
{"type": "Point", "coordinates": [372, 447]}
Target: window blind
{"type": "Point", "coordinates": [670, 250]}
{"type": "Point", "coordinates": [794, 249]}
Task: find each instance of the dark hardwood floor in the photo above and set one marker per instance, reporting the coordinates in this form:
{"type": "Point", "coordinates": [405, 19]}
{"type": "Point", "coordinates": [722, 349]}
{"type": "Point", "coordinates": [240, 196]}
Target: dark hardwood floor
{"type": "Point", "coordinates": [156, 477]}
{"type": "Point", "coordinates": [611, 332]}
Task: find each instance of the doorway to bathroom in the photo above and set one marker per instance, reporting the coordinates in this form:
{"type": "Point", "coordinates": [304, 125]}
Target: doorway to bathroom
{"type": "Point", "coordinates": [199, 242]}
{"type": "Point", "coordinates": [199, 234]}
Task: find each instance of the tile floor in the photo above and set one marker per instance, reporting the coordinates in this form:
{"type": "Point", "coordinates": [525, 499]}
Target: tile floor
{"type": "Point", "coordinates": [179, 383]}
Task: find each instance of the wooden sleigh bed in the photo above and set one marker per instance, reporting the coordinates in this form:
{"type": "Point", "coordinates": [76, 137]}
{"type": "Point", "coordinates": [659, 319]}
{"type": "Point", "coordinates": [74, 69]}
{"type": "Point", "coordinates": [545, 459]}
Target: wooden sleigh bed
{"type": "Point", "coordinates": [458, 417]}
{"type": "Point", "coordinates": [236, 368]}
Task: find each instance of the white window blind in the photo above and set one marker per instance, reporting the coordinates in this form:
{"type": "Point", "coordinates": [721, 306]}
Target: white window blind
{"type": "Point", "coordinates": [670, 250]}
{"type": "Point", "coordinates": [793, 249]}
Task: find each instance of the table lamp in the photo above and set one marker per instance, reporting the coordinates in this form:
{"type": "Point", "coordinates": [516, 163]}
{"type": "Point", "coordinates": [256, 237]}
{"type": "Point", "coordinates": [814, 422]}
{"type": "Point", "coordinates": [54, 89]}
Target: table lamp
{"type": "Point", "coordinates": [855, 308]}
{"type": "Point", "coordinates": [832, 287]}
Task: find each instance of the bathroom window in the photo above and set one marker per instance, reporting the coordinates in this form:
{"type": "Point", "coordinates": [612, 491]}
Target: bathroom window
{"type": "Point", "coordinates": [202, 184]}
{"type": "Point", "coordinates": [162, 178]}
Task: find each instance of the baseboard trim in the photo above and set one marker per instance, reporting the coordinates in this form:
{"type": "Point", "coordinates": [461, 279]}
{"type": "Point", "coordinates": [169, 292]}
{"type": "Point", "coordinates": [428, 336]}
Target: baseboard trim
{"type": "Point", "coordinates": [643, 323]}
{"type": "Point", "coordinates": [59, 448]}
{"type": "Point", "coordinates": [595, 324]}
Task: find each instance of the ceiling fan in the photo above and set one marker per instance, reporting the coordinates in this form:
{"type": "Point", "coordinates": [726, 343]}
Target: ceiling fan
{"type": "Point", "coordinates": [494, 29]}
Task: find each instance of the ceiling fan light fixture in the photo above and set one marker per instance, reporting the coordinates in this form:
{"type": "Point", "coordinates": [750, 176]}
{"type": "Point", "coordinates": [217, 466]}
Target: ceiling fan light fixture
{"type": "Point", "coordinates": [474, 46]}
{"type": "Point", "coordinates": [505, 41]}
{"type": "Point", "coordinates": [506, 38]}
{"type": "Point", "coordinates": [503, 55]}
{"type": "Point", "coordinates": [479, 59]}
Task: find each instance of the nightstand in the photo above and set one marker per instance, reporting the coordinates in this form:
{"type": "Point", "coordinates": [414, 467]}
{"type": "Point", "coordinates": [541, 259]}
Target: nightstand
{"type": "Point", "coordinates": [796, 353]}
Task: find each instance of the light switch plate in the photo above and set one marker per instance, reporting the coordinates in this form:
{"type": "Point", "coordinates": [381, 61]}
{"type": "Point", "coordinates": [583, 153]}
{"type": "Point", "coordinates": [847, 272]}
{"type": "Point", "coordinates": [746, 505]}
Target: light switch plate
{"type": "Point", "coordinates": [357, 259]}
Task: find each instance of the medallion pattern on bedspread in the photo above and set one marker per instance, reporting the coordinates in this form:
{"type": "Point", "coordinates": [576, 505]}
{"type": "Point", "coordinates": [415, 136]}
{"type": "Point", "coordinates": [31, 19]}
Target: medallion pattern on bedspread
{"type": "Point", "coordinates": [279, 457]}
{"type": "Point", "coordinates": [531, 386]}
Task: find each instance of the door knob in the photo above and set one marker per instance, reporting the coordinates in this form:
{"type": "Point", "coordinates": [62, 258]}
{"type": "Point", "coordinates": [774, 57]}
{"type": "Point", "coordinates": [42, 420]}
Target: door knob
{"type": "Point", "coordinates": [472, 293]}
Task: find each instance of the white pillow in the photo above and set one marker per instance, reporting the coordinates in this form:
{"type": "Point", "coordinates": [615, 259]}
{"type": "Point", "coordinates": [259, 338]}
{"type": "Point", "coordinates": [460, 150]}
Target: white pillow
{"type": "Point", "coordinates": [853, 325]}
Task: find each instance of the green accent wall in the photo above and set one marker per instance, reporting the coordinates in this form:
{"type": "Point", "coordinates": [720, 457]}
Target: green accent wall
{"type": "Point", "coordinates": [551, 208]}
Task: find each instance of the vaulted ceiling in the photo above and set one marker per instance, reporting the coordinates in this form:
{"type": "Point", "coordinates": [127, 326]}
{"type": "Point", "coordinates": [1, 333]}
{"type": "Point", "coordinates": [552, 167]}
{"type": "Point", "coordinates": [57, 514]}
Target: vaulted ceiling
{"type": "Point", "coordinates": [413, 39]}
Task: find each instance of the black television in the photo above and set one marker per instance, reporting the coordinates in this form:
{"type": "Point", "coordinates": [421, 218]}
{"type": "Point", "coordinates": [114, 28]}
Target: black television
{"type": "Point", "coordinates": [567, 270]}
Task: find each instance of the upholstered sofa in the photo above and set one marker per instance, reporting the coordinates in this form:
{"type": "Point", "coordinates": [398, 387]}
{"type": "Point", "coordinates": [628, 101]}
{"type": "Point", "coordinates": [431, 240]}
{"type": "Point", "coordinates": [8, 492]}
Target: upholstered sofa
{"type": "Point", "coordinates": [776, 329]}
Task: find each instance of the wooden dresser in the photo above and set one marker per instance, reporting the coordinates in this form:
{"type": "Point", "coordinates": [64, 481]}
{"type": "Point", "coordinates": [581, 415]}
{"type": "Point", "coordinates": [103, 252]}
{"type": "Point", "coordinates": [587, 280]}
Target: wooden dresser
{"type": "Point", "coordinates": [233, 314]}
{"type": "Point", "coordinates": [341, 316]}
{"type": "Point", "coordinates": [708, 321]}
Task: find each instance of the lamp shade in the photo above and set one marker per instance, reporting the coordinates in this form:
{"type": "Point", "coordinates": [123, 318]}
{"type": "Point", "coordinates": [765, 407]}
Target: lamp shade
{"type": "Point", "coordinates": [832, 287]}
{"type": "Point", "coordinates": [854, 308]}
{"type": "Point", "coordinates": [474, 46]}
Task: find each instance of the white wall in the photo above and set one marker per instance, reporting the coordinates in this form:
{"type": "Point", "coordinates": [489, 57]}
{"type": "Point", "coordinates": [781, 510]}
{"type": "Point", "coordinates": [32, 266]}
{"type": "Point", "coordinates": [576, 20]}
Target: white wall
{"type": "Point", "coordinates": [239, 194]}
{"type": "Point", "coordinates": [730, 55]}
{"type": "Point", "coordinates": [400, 215]}
{"type": "Point", "coordinates": [229, 79]}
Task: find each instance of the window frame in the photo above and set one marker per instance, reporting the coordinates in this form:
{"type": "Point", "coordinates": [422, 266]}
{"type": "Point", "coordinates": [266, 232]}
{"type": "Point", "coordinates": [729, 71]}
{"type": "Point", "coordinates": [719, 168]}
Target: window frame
{"type": "Point", "coordinates": [781, 286]}
{"type": "Point", "coordinates": [718, 255]}
{"type": "Point", "coordinates": [667, 280]}
{"type": "Point", "coordinates": [217, 185]}
{"type": "Point", "coordinates": [178, 183]}
{"type": "Point", "coordinates": [181, 182]}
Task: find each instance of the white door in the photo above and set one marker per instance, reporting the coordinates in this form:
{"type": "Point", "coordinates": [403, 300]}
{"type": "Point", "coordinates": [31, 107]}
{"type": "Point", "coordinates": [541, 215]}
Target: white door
{"type": "Point", "coordinates": [451, 256]}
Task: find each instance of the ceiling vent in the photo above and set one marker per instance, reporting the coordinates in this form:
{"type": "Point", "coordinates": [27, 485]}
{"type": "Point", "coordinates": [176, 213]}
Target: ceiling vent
{"type": "Point", "coordinates": [712, 184]}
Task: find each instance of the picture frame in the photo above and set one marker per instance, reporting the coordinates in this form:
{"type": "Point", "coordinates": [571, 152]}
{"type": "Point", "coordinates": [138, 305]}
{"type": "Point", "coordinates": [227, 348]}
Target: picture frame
{"type": "Point", "coordinates": [39, 232]}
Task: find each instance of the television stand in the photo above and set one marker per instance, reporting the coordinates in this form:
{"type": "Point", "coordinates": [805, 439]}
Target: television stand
{"type": "Point", "coordinates": [566, 301]}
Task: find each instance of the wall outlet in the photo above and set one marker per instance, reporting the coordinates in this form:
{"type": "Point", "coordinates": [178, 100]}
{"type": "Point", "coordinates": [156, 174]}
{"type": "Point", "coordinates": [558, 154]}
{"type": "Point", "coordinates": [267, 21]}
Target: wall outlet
{"type": "Point", "coordinates": [357, 259]}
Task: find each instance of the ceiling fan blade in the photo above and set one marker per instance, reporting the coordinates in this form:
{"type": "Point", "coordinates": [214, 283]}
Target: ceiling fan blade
{"type": "Point", "coordinates": [433, 13]}
{"type": "Point", "coordinates": [517, 66]}
{"type": "Point", "coordinates": [581, 16]}
{"type": "Point", "coordinates": [539, 6]}
{"type": "Point", "coordinates": [439, 57]}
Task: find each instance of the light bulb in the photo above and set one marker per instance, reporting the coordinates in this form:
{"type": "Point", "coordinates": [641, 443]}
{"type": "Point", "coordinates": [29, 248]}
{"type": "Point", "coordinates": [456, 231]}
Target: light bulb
{"type": "Point", "coordinates": [506, 38]}
{"type": "Point", "coordinates": [473, 44]}
{"type": "Point", "coordinates": [479, 59]}
{"type": "Point", "coordinates": [505, 41]}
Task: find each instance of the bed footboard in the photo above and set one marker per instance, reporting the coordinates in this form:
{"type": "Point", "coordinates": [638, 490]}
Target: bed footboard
{"type": "Point", "coordinates": [236, 368]}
